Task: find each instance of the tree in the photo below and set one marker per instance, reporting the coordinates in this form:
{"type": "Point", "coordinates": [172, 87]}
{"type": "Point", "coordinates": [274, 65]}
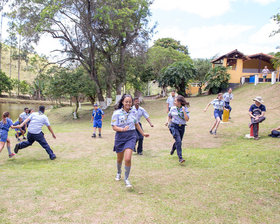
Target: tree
{"type": "Point", "coordinates": [202, 66]}
{"type": "Point", "coordinates": [160, 58]}
{"type": "Point", "coordinates": [78, 23]}
{"type": "Point", "coordinates": [178, 75]}
{"type": "Point", "coordinates": [21, 86]}
{"type": "Point", "coordinates": [5, 83]}
{"type": "Point", "coordinates": [217, 79]}
{"type": "Point", "coordinates": [171, 43]}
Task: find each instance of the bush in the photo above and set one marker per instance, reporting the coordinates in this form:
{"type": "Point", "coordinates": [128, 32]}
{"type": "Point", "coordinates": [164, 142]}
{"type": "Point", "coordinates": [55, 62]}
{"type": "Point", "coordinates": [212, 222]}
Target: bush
{"type": "Point", "coordinates": [5, 83]}
{"type": "Point", "coordinates": [217, 79]}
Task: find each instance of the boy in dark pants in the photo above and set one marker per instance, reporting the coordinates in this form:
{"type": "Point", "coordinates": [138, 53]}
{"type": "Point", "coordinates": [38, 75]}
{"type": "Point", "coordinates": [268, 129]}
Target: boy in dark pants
{"type": "Point", "coordinates": [256, 112]}
{"type": "Point", "coordinates": [37, 121]}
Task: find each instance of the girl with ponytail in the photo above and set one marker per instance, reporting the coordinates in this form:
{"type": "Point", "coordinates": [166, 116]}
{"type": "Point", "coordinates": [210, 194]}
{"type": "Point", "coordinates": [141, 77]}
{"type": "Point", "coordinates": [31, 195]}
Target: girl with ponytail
{"type": "Point", "coordinates": [5, 124]}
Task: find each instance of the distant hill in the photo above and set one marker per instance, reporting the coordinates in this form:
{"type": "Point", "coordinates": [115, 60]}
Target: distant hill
{"type": "Point", "coordinates": [26, 75]}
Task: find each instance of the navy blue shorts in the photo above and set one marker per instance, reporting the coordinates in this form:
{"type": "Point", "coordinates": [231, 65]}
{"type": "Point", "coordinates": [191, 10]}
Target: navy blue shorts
{"type": "Point", "coordinates": [218, 113]}
{"type": "Point", "coordinates": [125, 140]}
{"type": "Point", "coordinates": [97, 124]}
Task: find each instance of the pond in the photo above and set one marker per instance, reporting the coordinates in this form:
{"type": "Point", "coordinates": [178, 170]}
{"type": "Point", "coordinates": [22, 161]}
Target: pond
{"type": "Point", "coordinates": [16, 109]}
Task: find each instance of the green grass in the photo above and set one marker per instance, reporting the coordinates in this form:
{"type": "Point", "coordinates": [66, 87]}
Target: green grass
{"type": "Point", "coordinates": [228, 179]}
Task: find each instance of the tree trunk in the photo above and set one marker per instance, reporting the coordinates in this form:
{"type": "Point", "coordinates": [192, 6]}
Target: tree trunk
{"type": "Point", "coordinates": [138, 93]}
{"type": "Point", "coordinates": [19, 58]}
{"type": "Point", "coordinates": [119, 91]}
{"type": "Point", "coordinates": [91, 99]}
{"type": "Point", "coordinates": [1, 26]}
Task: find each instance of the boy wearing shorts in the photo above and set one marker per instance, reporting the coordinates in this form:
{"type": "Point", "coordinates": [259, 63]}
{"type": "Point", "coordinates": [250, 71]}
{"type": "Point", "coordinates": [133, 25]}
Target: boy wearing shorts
{"type": "Point", "coordinates": [97, 118]}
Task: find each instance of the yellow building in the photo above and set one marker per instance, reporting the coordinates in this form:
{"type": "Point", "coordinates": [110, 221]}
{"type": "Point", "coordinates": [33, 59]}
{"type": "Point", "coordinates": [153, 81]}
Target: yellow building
{"type": "Point", "coordinates": [240, 65]}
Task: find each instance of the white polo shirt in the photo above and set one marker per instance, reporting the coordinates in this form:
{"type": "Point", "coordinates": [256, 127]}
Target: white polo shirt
{"type": "Point", "coordinates": [37, 121]}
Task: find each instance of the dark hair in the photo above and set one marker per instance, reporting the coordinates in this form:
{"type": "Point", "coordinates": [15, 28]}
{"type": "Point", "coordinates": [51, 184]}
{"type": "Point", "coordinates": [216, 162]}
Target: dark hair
{"type": "Point", "coordinates": [136, 98]}
{"type": "Point", "coordinates": [182, 100]}
{"type": "Point", "coordinates": [26, 108]}
{"type": "Point", "coordinates": [42, 109]}
{"type": "Point", "coordinates": [4, 116]}
{"type": "Point", "coordinates": [120, 103]}
{"type": "Point", "coordinates": [219, 94]}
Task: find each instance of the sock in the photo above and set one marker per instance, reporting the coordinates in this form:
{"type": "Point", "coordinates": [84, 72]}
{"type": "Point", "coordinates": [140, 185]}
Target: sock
{"type": "Point", "coordinates": [127, 171]}
{"type": "Point", "coordinates": [119, 167]}
{"type": "Point", "coordinates": [9, 150]}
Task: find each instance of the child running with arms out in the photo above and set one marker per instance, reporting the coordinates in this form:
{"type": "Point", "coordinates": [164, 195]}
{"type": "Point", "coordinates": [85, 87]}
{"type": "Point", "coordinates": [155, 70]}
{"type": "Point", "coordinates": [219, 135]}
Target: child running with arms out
{"type": "Point", "coordinates": [97, 119]}
{"type": "Point", "coordinates": [124, 121]}
{"type": "Point", "coordinates": [5, 124]}
{"type": "Point", "coordinates": [219, 107]}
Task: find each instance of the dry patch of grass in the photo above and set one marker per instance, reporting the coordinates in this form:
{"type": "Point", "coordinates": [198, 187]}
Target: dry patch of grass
{"type": "Point", "coordinates": [227, 179]}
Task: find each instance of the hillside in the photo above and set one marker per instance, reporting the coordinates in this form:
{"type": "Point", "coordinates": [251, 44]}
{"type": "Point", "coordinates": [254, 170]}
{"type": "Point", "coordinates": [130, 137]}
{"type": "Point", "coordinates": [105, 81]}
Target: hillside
{"type": "Point", "coordinates": [24, 74]}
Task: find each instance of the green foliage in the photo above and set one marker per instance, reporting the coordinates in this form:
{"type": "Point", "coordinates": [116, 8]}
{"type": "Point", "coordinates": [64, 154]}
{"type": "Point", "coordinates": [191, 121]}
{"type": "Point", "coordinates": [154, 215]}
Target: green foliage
{"type": "Point", "coordinates": [171, 43]}
{"type": "Point", "coordinates": [160, 58]}
{"type": "Point", "coordinates": [202, 66]}
{"type": "Point", "coordinates": [276, 18]}
{"type": "Point", "coordinates": [5, 83]}
{"type": "Point", "coordinates": [178, 75]}
{"type": "Point", "coordinates": [217, 79]}
{"type": "Point", "coordinates": [22, 86]}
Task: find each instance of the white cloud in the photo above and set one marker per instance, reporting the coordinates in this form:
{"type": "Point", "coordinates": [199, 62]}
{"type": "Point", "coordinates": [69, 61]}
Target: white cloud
{"type": "Point", "coordinates": [206, 41]}
{"type": "Point", "coordinates": [263, 34]}
{"type": "Point", "coordinates": [203, 8]}
{"type": "Point", "coordinates": [264, 2]}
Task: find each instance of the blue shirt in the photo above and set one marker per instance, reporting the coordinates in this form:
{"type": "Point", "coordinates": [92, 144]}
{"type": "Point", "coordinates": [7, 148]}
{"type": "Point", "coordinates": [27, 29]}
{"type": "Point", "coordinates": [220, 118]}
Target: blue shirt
{"type": "Point", "coordinates": [37, 121]}
{"type": "Point", "coordinates": [218, 104]}
{"type": "Point", "coordinates": [170, 101]}
{"type": "Point", "coordinates": [177, 115]}
{"type": "Point", "coordinates": [121, 118]}
{"type": "Point", "coordinates": [15, 124]}
{"type": "Point", "coordinates": [6, 126]}
{"type": "Point", "coordinates": [257, 110]}
{"type": "Point", "coordinates": [24, 115]}
{"type": "Point", "coordinates": [228, 97]}
{"type": "Point", "coordinates": [97, 114]}
{"type": "Point", "coordinates": [141, 112]}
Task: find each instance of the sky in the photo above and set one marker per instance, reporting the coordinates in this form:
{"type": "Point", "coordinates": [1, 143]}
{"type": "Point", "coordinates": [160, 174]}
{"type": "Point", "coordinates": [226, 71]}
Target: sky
{"type": "Point", "coordinates": [208, 27]}
{"type": "Point", "coordinates": [217, 27]}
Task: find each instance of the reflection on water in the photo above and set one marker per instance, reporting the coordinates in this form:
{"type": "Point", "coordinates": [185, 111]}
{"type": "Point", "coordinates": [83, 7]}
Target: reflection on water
{"type": "Point", "coordinates": [16, 109]}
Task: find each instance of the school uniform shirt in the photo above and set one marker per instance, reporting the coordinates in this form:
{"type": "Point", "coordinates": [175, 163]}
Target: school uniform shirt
{"type": "Point", "coordinates": [228, 97]}
{"type": "Point", "coordinates": [6, 126]}
{"type": "Point", "coordinates": [170, 101]}
{"type": "Point", "coordinates": [265, 71]}
{"type": "Point", "coordinates": [141, 112]}
{"type": "Point", "coordinates": [24, 116]}
{"type": "Point", "coordinates": [15, 124]}
{"type": "Point", "coordinates": [97, 114]}
{"type": "Point", "coordinates": [37, 121]}
{"type": "Point", "coordinates": [218, 104]}
{"type": "Point", "coordinates": [257, 110]}
{"type": "Point", "coordinates": [121, 118]}
{"type": "Point", "coordinates": [177, 115]}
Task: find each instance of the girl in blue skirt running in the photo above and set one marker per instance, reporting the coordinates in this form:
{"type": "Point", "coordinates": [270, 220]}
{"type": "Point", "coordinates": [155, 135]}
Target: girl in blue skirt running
{"type": "Point", "coordinates": [5, 124]}
{"type": "Point", "coordinates": [124, 121]}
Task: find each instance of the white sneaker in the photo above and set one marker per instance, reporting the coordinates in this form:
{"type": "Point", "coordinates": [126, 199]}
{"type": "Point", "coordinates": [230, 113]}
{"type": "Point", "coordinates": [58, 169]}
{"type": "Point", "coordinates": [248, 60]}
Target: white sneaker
{"type": "Point", "coordinates": [118, 177]}
{"type": "Point", "coordinates": [127, 184]}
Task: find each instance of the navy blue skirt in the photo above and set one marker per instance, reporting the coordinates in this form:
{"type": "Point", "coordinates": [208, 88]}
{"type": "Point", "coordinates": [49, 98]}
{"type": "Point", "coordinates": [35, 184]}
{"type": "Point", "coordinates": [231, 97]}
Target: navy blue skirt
{"type": "Point", "coordinates": [125, 140]}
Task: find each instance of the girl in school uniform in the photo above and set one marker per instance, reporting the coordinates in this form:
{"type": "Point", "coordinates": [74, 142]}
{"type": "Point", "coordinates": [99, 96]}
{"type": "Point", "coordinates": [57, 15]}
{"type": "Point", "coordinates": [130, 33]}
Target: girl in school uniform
{"type": "Point", "coordinates": [124, 121]}
{"type": "Point", "coordinates": [219, 107]}
{"type": "Point", "coordinates": [5, 124]}
{"type": "Point", "coordinates": [177, 118]}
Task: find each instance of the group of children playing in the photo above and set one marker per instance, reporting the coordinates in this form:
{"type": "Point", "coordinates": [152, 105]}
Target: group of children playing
{"type": "Point", "coordinates": [126, 123]}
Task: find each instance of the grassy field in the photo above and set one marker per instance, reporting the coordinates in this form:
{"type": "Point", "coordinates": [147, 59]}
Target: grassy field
{"type": "Point", "coordinates": [226, 179]}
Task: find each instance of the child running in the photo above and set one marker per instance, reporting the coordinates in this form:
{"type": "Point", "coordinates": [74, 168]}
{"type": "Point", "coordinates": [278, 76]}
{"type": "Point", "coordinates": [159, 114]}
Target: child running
{"type": "Point", "coordinates": [177, 117]}
{"type": "Point", "coordinates": [140, 112]}
{"type": "Point", "coordinates": [124, 121]}
{"type": "Point", "coordinates": [37, 121]}
{"type": "Point", "coordinates": [19, 131]}
{"type": "Point", "coordinates": [5, 124]}
{"type": "Point", "coordinates": [218, 105]}
{"type": "Point", "coordinates": [97, 118]}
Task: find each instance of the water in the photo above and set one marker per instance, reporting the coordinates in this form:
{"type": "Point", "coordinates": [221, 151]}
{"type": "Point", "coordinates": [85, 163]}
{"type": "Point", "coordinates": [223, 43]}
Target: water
{"type": "Point", "coordinates": [16, 109]}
